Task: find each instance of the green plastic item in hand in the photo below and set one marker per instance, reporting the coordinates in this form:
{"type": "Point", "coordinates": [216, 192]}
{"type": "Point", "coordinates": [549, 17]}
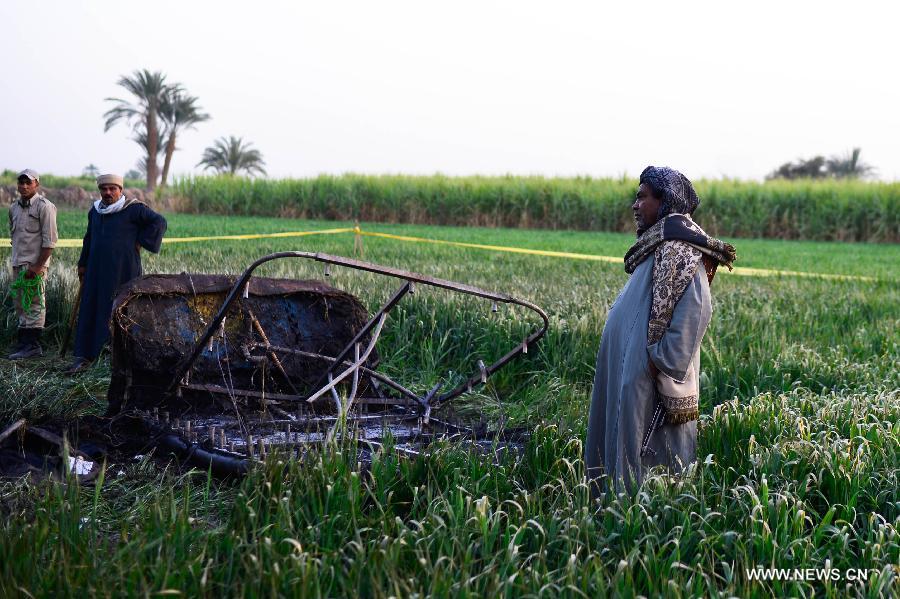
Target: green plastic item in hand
{"type": "Point", "coordinates": [29, 289]}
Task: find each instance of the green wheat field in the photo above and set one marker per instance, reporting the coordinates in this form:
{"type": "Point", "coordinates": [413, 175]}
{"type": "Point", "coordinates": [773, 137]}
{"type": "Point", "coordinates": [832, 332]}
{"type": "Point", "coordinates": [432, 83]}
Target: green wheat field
{"type": "Point", "coordinates": [799, 448]}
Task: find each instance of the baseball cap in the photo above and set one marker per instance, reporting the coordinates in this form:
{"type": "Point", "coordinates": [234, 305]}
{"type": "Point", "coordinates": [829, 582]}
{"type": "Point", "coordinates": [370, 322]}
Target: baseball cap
{"type": "Point", "coordinates": [30, 173]}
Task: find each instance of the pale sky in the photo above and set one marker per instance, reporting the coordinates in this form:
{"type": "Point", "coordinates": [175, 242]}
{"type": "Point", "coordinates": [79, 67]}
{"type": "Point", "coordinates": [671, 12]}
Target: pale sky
{"type": "Point", "coordinates": [554, 88]}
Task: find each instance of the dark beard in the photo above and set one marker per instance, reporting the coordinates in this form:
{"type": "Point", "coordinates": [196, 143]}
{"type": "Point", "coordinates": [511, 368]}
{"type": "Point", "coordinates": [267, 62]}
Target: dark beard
{"type": "Point", "coordinates": [639, 224]}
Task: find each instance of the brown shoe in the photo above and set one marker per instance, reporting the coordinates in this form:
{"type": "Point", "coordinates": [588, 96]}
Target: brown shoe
{"type": "Point", "coordinates": [79, 365]}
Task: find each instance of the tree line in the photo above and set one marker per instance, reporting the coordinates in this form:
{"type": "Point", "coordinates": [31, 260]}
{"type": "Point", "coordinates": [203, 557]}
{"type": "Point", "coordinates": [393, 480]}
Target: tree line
{"type": "Point", "coordinates": [158, 112]}
{"type": "Point", "coordinates": [848, 166]}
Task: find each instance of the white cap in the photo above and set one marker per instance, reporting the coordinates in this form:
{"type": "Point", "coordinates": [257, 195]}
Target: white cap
{"type": "Point", "coordinates": [30, 173]}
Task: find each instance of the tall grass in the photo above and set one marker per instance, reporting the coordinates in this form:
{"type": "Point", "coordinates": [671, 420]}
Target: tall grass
{"type": "Point", "coordinates": [821, 210]}
{"type": "Point", "coordinates": [8, 177]}
{"type": "Point", "coordinates": [821, 495]}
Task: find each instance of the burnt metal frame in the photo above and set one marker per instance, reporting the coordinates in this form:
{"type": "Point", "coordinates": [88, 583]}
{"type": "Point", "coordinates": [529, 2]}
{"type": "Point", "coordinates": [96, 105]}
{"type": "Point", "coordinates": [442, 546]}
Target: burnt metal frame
{"type": "Point", "coordinates": [431, 399]}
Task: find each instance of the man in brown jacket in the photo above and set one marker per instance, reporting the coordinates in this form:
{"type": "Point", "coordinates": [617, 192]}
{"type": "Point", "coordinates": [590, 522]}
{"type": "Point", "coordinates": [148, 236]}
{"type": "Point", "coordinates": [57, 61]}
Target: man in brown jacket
{"type": "Point", "coordinates": [32, 230]}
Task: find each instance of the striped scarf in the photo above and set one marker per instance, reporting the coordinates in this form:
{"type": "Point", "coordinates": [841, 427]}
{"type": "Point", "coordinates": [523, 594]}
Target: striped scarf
{"type": "Point", "coordinates": [679, 246]}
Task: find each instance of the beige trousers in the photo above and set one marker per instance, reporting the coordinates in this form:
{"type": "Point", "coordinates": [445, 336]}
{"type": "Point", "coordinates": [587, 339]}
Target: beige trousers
{"type": "Point", "coordinates": [34, 316]}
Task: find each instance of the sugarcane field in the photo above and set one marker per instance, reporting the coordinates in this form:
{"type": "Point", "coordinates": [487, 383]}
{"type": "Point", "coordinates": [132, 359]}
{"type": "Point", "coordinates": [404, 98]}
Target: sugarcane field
{"type": "Point", "coordinates": [340, 325]}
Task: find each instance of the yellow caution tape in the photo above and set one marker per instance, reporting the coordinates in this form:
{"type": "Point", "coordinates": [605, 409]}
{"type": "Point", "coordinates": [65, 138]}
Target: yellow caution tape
{"type": "Point", "coordinates": [76, 243]}
{"type": "Point", "coordinates": [767, 272]}
{"type": "Point", "coordinates": [495, 248]}
{"type": "Point", "coordinates": [256, 235]}
{"type": "Point", "coordinates": [742, 271]}
{"type": "Point", "coordinates": [60, 243]}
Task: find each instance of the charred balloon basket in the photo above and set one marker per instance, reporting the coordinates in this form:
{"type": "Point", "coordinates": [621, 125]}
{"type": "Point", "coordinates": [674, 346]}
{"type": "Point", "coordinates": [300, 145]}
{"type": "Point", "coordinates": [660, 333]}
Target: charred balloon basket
{"type": "Point", "coordinates": [222, 372]}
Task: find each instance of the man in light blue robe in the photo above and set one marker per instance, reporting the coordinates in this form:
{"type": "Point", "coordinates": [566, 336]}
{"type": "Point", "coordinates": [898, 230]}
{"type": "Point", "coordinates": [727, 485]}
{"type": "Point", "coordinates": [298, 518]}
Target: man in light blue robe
{"type": "Point", "coordinates": [644, 405]}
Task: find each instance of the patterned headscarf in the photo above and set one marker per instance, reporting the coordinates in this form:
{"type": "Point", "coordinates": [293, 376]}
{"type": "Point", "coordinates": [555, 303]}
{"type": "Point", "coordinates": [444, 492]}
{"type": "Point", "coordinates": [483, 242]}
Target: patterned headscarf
{"type": "Point", "coordinates": [673, 189]}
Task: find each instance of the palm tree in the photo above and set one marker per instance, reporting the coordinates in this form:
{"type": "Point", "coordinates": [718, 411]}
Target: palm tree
{"type": "Point", "coordinates": [141, 139]}
{"type": "Point", "coordinates": [178, 111]}
{"type": "Point", "coordinates": [231, 155]}
{"type": "Point", "coordinates": [849, 166]}
{"type": "Point", "coordinates": [150, 90]}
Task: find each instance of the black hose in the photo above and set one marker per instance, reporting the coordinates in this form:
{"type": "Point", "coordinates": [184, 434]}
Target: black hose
{"type": "Point", "coordinates": [195, 455]}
